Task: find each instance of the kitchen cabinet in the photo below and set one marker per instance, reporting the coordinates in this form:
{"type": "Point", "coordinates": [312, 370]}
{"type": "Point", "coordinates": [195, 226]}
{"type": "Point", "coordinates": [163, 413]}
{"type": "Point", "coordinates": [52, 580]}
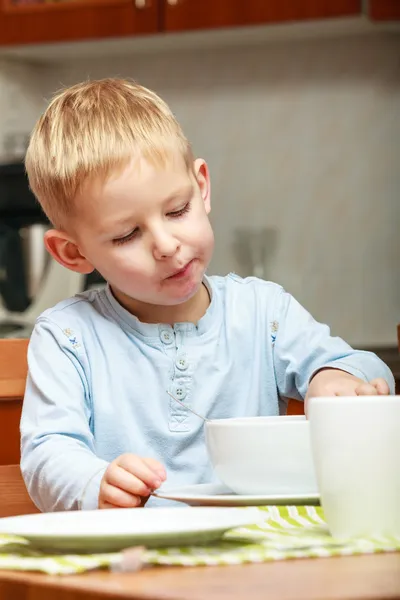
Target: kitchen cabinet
{"type": "Point", "coordinates": [384, 10]}
{"type": "Point", "coordinates": [182, 15]}
{"type": "Point", "coordinates": [41, 21]}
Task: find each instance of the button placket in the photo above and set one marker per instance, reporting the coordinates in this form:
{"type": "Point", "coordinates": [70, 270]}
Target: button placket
{"type": "Point", "coordinates": [180, 386]}
{"type": "Point", "coordinates": [178, 413]}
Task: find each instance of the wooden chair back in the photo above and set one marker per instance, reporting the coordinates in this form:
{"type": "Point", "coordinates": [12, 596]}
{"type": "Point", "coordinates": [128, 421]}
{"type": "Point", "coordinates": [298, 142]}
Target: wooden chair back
{"type": "Point", "coordinates": [295, 407]}
{"type": "Point", "coordinates": [13, 371]}
{"type": "Point", "coordinates": [14, 499]}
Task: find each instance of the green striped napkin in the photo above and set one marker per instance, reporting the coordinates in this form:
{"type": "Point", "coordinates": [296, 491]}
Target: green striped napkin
{"type": "Point", "coordinates": [287, 532]}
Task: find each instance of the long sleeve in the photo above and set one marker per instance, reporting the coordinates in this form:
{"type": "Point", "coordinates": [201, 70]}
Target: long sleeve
{"type": "Point", "coordinates": [302, 346]}
{"type": "Point", "coordinates": [58, 460]}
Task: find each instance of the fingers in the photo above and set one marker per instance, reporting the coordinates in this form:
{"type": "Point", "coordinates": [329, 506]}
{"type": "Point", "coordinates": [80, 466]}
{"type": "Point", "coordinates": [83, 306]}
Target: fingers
{"type": "Point", "coordinates": [114, 497]}
{"type": "Point", "coordinates": [129, 481]}
{"type": "Point", "coordinates": [366, 389]}
{"type": "Point", "coordinates": [141, 468]}
{"type": "Point", "coordinates": [350, 391]}
{"type": "Point", "coordinates": [381, 386]}
{"type": "Point", "coordinates": [108, 505]}
{"type": "Point", "coordinates": [124, 480]}
{"type": "Point", "coordinates": [156, 466]}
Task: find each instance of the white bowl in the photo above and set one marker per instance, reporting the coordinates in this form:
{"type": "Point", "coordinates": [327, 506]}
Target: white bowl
{"type": "Point", "coordinates": [262, 455]}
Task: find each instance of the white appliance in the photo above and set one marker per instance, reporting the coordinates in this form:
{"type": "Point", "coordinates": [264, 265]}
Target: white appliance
{"type": "Point", "coordinates": [30, 280]}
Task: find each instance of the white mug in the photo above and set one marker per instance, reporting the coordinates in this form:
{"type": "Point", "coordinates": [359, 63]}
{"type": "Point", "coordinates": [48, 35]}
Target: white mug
{"type": "Point", "coordinates": [356, 450]}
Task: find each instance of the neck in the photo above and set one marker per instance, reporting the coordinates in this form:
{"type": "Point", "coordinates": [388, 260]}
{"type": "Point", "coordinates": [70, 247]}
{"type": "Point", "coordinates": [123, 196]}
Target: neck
{"type": "Point", "coordinates": [188, 312]}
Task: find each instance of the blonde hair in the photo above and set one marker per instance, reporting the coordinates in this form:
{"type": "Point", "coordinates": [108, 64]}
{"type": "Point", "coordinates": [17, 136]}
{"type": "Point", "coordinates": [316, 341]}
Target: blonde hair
{"type": "Point", "coordinates": [92, 128]}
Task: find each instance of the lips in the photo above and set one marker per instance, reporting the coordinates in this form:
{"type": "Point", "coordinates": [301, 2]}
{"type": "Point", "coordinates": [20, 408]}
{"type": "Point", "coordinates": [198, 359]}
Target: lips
{"type": "Point", "coordinates": [181, 272]}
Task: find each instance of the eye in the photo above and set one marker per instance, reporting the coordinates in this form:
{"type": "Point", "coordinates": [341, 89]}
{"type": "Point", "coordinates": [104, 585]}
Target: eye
{"type": "Point", "coordinates": [179, 213]}
{"type": "Point", "coordinates": [126, 238]}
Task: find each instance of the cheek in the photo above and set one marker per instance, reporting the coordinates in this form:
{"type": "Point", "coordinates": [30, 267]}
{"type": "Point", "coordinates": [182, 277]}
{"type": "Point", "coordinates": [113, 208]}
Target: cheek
{"type": "Point", "coordinates": [199, 231]}
{"type": "Point", "coordinates": [120, 262]}
{"type": "Point", "coordinates": [205, 236]}
{"type": "Point", "coordinates": [209, 244]}
{"type": "Point", "coordinates": [132, 263]}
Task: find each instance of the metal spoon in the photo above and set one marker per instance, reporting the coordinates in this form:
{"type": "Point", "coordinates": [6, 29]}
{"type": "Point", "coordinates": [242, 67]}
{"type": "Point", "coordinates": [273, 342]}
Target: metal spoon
{"type": "Point", "coordinates": [188, 408]}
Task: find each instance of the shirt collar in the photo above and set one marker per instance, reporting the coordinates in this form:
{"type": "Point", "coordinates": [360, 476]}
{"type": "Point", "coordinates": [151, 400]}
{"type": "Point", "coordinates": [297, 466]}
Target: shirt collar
{"type": "Point", "coordinates": [152, 330]}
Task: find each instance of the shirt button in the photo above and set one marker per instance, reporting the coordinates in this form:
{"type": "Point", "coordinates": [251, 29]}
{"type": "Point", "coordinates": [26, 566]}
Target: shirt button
{"type": "Point", "coordinates": [182, 363]}
{"type": "Point", "coordinates": [179, 392]}
{"type": "Point", "coordinates": [166, 337]}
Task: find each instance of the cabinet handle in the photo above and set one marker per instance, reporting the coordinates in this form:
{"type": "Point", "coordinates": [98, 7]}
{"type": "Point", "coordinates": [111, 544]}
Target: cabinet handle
{"type": "Point", "coordinates": [172, 2]}
{"type": "Point", "coordinates": [140, 4]}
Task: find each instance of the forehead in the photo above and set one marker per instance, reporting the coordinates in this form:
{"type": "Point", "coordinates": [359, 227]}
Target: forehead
{"type": "Point", "coordinates": [133, 189]}
{"type": "Point", "coordinates": [143, 179]}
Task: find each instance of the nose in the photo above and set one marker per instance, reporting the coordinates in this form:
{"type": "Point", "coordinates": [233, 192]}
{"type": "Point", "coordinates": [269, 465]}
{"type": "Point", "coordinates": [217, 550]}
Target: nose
{"type": "Point", "coordinates": [165, 245]}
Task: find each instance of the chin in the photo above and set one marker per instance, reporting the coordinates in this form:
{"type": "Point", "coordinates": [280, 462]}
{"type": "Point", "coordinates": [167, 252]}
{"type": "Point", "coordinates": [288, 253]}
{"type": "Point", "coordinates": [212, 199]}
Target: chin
{"type": "Point", "coordinates": [182, 298]}
{"type": "Point", "coordinates": [183, 295]}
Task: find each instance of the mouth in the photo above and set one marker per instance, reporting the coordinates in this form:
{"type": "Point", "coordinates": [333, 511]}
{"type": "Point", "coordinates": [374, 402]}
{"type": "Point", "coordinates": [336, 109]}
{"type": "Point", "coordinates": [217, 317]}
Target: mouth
{"type": "Point", "coordinates": [180, 273]}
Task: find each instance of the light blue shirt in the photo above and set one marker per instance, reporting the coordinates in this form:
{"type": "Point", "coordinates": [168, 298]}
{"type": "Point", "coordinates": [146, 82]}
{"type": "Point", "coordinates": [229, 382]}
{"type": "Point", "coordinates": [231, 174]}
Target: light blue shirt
{"type": "Point", "coordinates": [98, 380]}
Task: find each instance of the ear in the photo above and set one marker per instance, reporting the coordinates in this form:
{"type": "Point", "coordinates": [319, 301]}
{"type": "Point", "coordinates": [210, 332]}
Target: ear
{"type": "Point", "coordinates": [202, 175]}
{"type": "Point", "coordinates": [65, 251]}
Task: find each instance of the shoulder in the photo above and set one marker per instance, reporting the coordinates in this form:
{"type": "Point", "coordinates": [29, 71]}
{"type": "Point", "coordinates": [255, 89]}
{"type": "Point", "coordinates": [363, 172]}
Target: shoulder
{"type": "Point", "coordinates": [250, 303]}
{"type": "Point", "coordinates": [78, 307]}
{"type": "Point", "coordinates": [70, 319]}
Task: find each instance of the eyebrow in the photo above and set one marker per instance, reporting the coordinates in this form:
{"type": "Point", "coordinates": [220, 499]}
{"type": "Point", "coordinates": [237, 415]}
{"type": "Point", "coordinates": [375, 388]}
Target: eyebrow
{"type": "Point", "coordinates": [182, 191]}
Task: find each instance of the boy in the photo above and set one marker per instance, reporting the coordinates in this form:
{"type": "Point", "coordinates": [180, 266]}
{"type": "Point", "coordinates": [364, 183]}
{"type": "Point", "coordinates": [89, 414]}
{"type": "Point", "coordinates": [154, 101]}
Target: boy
{"type": "Point", "coordinates": [115, 174]}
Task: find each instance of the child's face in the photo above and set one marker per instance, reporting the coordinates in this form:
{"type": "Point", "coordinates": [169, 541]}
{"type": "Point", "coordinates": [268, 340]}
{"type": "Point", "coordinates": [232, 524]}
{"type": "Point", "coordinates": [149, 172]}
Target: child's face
{"type": "Point", "coordinates": [146, 230]}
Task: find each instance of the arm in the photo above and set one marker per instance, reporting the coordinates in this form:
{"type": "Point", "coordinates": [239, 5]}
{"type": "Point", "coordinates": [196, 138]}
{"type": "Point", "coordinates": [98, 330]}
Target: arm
{"type": "Point", "coordinates": [58, 460]}
{"type": "Point", "coordinates": [303, 347]}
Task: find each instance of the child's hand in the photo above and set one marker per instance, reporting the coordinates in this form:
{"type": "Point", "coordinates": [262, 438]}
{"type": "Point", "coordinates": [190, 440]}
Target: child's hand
{"type": "Point", "coordinates": [129, 480]}
{"type": "Point", "coordinates": [333, 382]}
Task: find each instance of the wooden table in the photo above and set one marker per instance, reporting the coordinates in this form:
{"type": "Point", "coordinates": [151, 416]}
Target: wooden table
{"type": "Point", "coordinates": [346, 578]}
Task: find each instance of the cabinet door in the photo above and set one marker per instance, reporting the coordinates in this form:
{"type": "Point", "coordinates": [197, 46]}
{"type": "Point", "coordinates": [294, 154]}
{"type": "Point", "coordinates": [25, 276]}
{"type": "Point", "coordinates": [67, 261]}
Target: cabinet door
{"type": "Point", "coordinates": [180, 15]}
{"type": "Point", "coordinates": [384, 10]}
{"type": "Point", "coordinates": [40, 21]}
